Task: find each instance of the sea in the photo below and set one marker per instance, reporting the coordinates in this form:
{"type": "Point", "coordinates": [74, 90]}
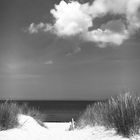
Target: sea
{"type": "Point", "coordinates": [58, 111]}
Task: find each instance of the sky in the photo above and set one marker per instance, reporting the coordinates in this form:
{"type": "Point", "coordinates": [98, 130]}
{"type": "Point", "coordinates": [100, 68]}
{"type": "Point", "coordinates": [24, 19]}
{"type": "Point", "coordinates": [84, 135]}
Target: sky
{"type": "Point", "coordinates": [69, 50]}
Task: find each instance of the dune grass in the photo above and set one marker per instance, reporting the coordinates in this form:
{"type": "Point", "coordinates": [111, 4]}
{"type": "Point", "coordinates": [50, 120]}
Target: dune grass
{"type": "Point", "coordinates": [33, 112]}
{"type": "Point", "coordinates": [9, 111]}
{"type": "Point", "coordinates": [121, 113]}
{"type": "Point", "coordinates": [8, 115]}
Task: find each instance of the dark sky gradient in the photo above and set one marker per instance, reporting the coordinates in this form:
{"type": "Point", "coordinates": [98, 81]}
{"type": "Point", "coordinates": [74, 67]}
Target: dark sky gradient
{"type": "Point", "coordinates": [43, 66]}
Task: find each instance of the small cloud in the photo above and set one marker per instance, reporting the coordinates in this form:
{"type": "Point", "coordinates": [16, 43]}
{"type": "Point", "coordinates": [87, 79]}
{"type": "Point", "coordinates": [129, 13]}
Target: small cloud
{"type": "Point", "coordinates": [75, 51]}
{"type": "Point", "coordinates": [35, 28]}
{"type": "Point", "coordinates": [49, 62]}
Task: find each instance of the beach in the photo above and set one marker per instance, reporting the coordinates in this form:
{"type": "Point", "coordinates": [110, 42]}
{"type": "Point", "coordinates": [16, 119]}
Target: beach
{"type": "Point", "coordinates": [30, 129]}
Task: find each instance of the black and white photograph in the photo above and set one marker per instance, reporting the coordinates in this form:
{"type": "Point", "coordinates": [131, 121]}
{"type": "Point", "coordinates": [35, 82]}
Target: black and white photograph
{"type": "Point", "coordinates": [69, 69]}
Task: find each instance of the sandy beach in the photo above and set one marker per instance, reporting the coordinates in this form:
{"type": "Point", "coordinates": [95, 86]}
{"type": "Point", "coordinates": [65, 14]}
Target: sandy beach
{"type": "Point", "coordinates": [30, 129]}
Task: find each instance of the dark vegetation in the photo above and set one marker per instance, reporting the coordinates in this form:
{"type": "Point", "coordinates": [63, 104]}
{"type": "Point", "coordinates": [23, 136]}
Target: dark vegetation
{"type": "Point", "coordinates": [9, 111]}
{"type": "Point", "coordinates": [121, 113]}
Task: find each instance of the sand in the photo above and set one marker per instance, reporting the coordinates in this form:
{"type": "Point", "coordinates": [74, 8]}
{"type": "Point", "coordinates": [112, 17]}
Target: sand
{"type": "Point", "coordinates": [29, 129]}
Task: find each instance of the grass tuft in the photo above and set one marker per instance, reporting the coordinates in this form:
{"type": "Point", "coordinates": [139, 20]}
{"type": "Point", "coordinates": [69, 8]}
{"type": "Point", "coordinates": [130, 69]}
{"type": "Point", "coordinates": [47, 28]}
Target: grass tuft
{"type": "Point", "coordinates": [33, 112]}
{"type": "Point", "coordinates": [121, 113]}
{"type": "Point", "coordinates": [8, 115]}
{"type": "Point", "coordinates": [9, 111]}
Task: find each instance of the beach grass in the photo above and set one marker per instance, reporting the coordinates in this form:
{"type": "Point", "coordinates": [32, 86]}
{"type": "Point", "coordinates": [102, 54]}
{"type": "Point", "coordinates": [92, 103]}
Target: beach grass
{"type": "Point", "coordinates": [121, 113]}
{"type": "Point", "coordinates": [8, 115]}
{"type": "Point", "coordinates": [33, 112]}
{"type": "Point", "coordinates": [9, 111]}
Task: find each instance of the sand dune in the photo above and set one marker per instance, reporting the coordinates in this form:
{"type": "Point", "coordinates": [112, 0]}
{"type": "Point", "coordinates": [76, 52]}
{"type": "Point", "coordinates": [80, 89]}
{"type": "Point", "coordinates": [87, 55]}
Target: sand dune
{"type": "Point", "coordinates": [30, 129]}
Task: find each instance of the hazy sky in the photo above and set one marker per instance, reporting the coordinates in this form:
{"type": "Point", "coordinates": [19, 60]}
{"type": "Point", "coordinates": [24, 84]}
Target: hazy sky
{"type": "Point", "coordinates": [75, 51]}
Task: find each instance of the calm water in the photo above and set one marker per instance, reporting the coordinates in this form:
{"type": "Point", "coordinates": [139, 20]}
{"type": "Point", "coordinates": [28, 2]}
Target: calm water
{"type": "Point", "coordinates": [59, 111]}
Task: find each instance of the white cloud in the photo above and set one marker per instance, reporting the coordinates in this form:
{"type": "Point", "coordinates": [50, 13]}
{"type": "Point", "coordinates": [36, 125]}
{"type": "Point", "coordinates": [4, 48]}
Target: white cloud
{"type": "Point", "coordinates": [33, 28]}
{"type": "Point", "coordinates": [70, 19]}
{"type": "Point", "coordinates": [102, 7]}
{"type": "Point", "coordinates": [106, 36]}
{"type": "Point", "coordinates": [74, 18]}
{"type": "Point", "coordinates": [133, 15]}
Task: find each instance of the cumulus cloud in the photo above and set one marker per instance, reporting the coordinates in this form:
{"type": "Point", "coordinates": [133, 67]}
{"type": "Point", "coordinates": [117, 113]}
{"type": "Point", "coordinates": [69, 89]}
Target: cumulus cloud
{"type": "Point", "coordinates": [70, 19]}
{"type": "Point", "coordinates": [74, 18]}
